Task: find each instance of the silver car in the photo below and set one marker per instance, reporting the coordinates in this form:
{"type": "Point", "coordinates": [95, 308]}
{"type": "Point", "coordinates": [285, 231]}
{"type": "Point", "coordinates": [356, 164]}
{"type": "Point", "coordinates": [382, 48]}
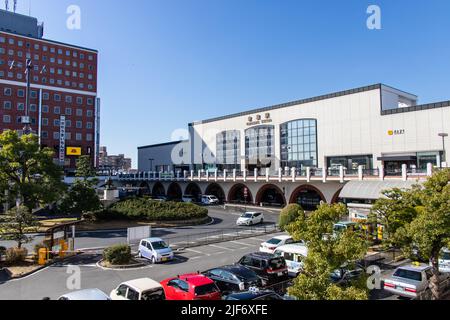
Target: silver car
{"type": "Point", "coordinates": [86, 295]}
{"type": "Point", "coordinates": [409, 281]}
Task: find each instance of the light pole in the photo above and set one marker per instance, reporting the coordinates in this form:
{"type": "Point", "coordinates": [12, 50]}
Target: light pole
{"type": "Point", "coordinates": [443, 136]}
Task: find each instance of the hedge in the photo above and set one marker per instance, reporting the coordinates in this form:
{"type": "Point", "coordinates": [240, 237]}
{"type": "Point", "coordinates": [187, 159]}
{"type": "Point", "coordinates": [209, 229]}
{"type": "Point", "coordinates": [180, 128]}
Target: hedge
{"type": "Point", "coordinates": [118, 255]}
{"type": "Point", "coordinates": [145, 209]}
{"type": "Point", "coordinates": [290, 214]}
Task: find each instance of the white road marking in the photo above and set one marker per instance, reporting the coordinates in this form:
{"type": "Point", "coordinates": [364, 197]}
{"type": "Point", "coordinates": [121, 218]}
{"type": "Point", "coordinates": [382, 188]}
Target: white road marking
{"type": "Point", "coordinates": [198, 252]}
{"type": "Point", "coordinates": [220, 247]}
{"type": "Point", "coordinates": [242, 243]}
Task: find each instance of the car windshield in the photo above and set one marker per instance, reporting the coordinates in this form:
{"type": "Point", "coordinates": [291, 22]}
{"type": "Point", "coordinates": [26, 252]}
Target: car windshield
{"type": "Point", "coordinates": [158, 245]}
{"type": "Point", "coordinates": [277, 263]}
{"type": "Point", "coordinates": [445, 255]}
{"type": "Point", "coordinates": [274, 241]}
{"type": "Point", "coordinates": [247, 215]}
{"type": "Point", "coordinates": [150, 295]}
{"type": "Point", "coordinates": [339, 228]}
{"type": "Point", "coordinates": [408, 274]}
{"type": "Point", "coordinates": [206, 289]}
{"type": "Point", "coordinates": [244, 274]}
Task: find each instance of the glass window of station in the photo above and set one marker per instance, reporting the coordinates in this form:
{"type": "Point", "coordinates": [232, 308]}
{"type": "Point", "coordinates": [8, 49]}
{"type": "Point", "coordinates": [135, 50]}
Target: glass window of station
{"type": "Point", "coordinates": [228, 150]}
{"type": "Point", "coordinates": [350, 163]}
{"type": "Point", "coordinates": [259, 147]}
{"type": "Point", "coordinates": [299, 143]}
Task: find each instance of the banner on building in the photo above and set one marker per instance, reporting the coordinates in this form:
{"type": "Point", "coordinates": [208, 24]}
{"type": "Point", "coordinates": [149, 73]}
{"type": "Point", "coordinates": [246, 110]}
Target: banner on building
{"type": "Point", "coordinates": [62, 140]}
{"type": "Point", "coordinates": [73, 151]}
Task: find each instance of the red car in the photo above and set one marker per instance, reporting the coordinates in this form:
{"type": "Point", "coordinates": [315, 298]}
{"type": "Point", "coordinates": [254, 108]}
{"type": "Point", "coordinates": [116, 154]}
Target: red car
{"type": "Point", "coordinates": [191, 287]}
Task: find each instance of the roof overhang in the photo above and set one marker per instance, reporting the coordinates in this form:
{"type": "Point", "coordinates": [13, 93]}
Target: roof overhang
{"type": "Point", "coordinates": [372, 190]}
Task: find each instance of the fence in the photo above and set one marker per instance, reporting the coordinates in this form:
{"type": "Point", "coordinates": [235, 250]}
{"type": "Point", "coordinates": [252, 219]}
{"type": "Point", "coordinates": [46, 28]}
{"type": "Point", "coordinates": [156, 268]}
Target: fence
{"type": "Point", "coordinates": [217, 236]}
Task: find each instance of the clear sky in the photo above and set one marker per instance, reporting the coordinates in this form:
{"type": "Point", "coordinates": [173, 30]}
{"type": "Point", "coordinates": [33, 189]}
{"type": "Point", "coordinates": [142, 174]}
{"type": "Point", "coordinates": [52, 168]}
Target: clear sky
{"type": "Point", "coordinates": [165, 63]}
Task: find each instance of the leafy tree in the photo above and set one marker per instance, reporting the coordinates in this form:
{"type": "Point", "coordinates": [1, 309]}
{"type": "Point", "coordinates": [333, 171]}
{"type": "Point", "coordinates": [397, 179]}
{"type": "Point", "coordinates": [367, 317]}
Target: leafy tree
{"type": "Point", "coordinates": [327, 252]}
{"type": "Point", "coordinates": [289, 214]}
{"type": "Point", "coordinates": [27, 172]}
{"type": "Point", "coordinates": [19, 223]}
{"type": "Point", "coordinates": [82, 197]}
{"type": "Point", "coordinates": [419, 220]}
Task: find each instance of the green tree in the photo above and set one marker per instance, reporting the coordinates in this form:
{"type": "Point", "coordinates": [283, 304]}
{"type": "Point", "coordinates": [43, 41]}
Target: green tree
{"type": "Point", "coordinates": [327, 252]}
{"type": "Point", "coordinates": [27, 172]}
{"type": "Point", "coordinates": [81, 196]}
{"type": "Point", "coordinates": [419, 219]}
{"type": "Point", "coordinates": [289, 214]}
{"type": "Point", "coordinates": [19, 223]}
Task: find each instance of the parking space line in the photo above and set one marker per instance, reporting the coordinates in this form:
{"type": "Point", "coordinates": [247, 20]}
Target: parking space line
{"type": "Point", "coordinates": [242, 243]}
{"type": "Point", "coordinates": [195, 251]}
{"type": "Point", "coordinates": [218, 253]}
{"type": "Point", "coordinates": [219, 247]}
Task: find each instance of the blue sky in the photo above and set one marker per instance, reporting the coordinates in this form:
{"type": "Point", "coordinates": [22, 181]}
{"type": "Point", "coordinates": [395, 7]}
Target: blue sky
{"type": "Point", "coordinates": [164, 63]}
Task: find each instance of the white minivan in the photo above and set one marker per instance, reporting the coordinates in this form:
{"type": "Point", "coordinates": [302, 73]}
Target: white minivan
{"type": "Point", "coordinates": [294, 254]}
{"type": "Point", "coordinates": [210, 200]}
{"type": "Point", "coordinates": [155, 250]}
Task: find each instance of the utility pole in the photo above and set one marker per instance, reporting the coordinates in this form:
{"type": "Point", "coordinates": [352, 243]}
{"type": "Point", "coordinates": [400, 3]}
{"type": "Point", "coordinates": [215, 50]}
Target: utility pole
{"type": "Point", "coordinates": [26, 119]}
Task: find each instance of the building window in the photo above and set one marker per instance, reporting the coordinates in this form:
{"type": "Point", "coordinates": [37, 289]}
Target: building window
{"type": "Point", "coordinates": [57, 97]}
{"type": "Point", "coordinates": [68, 123]}
{"type": "Point", "coordinates": [56, 110]}
{"type": "Point", "coordinates": [33, 108]}
{"type": "Point", "coordinates": [88, 125]}
{"type": "Point", "coordinates": [78, 137]}
{"type": "Point", "coordinates": [79, 125]}
{"type": "Point", "coordinates": [68, 136]}
{"type": "Point", "coordinates": [21, 93]}
{"type": "Point", "coordinates": [45, 96]}
{"type": "Point", "coordinates": [56, 135]}
{"type": "Point", "coordinates": [69, 99]}
{"type": "Point", "coordinates": [7, 92]}
{"type": "Point", "coordinates": [45, 109]}
{"type": "Point", "coordinates": [228, 150]}
{"type": "Point", "coordinates": [89, 113]}
{"type": "Point", "coordinates": [79, 100]}
{"type": "Point", "coordinates": [6, 118]}
{"type": "Point", "coordinates": [7, 105]}
{"type": "Point", "coordinates": [350, 163]}
{"type": "Point", "coordinates": [68, 111]}
{"type": "Point", "coordinates": [299, 143]}
{"type": "Point", "coordinates": [56, 123]}
{"type": "Point", "coordinates": [79, 112]}
{"type": "Point", "coordinates": [20, 106]}
{"type": "Point", "coordinates": [89, 137]}
{"type": "Point", "coordinates": [44, 134]}
{"type": "Point", "coordinates": [44, 121]}
{"type": "Point", "coordinates": [90, 101]}
{"type": "Point", "coordinates": [259, 147]}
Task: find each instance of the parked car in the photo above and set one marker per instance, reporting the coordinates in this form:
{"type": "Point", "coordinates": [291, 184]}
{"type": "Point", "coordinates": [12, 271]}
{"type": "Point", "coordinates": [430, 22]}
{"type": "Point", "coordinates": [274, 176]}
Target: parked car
{"type": "Point", "coordinates": [270, 268]}
{"type": "Point", "coordinates": [444, 261]}
{"type": "Point", "coordinates": [270, 245]}
{"type": "Point", "coordinates": [160, 198]}
{"type": "Point", "coordinates": [139, 289]}
{"type": "Point", "coordinates": [346, 274]}
{"type": "Point", "coordinates": [256, 295]}
{"type": "Point", "coordinates": [210, 200]}
{"type": "Point", "coordinates": [233, 278]}
{"type": "Point", "coordinates": [191, 287]}
{"type": "Point", "coordinates": [293, 254]}
{"type": "Point", "coordinates": [85, 295]}
{"type": "Point", "coordinates": [188, 199]}
{"type": "Point", "coordinates": [155, 249]}
{"type": "Point", "coordinates": [409, 281]}
{"type": "Point", "coordinates": [250, 218]}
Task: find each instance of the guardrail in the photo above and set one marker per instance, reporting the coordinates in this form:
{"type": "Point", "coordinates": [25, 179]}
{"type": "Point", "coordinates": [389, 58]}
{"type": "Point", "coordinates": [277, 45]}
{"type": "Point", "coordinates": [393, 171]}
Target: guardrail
{"type": "Point", "coordinates": [217, 236]}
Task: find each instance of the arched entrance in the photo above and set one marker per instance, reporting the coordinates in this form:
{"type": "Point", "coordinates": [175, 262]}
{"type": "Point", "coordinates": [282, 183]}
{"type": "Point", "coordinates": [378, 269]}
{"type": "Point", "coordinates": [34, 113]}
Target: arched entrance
{"type": "Point", "coordinates": [308, 197]}
{"type": "Point", "coordinates": [158, 190]}
{"type": "Point", "coordinates": [336, 196]}
{"type": "Point", "coordinates": [215, 190]}
{"type": "Point", "coordinates": [193, 190]}
{"type": "Point", "coordinates": [174, 192]}
{"type": "Point", "coordinates": [238, 194]}
{"type": "Point", "coordinates": [270, 195]}
{"type": "Point", "coordinates": [144, 189]}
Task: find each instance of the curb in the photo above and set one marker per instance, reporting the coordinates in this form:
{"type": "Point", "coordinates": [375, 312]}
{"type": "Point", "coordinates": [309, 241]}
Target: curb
{"type": "Point", "coordinates": [136, 266]}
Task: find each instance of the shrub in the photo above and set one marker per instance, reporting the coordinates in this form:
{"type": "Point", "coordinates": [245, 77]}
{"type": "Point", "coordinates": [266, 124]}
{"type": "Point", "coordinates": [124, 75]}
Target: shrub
{"type": "Point", "coordinates": [118, 255]}
{"type": "Point", "coordinates": [149, 210]}
{"type": "Point", "coordinates": [15, 255]}
{"type": "Point", "coordinates": [289, 214]}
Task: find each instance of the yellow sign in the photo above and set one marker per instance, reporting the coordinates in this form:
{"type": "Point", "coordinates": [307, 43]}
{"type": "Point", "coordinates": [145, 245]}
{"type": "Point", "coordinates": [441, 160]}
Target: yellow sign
{"type": "Point", "coordinates": [391, 132]}
{"type": "Point", "coordinates": [73, 151]}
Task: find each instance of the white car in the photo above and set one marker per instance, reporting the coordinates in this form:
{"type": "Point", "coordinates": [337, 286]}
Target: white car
{"type": "Point", "coordinates": [210, 200]}
{"type": "Point", "coordinates": [155, 250]}
{"type": "Point", "coordinates": [444, 261]}
{"type": "Point", "coordinates": [139, 289]}
{"type": "Point", "coordinates": [85, 295]}
{"type": "Point", "coordinates": [271, 245]}
{"type": "Point", "coordinates": [409, 281]}
{"type": "Point", "coordinates": [294, 255]}
{"type": "Point", "coordinates": [250, 218]}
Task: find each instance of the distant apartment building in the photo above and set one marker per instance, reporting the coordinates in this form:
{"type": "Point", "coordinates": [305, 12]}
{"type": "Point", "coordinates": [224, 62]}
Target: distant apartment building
{"type": "Point", "coordinates": [63, 108]}
{"type": "Point", "coordinates": [113, 162]}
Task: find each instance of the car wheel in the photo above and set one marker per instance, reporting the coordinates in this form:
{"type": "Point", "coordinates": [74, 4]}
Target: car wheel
{"type": "Point", "coordinates": [139, 255]}
{"type": "Point", "coordinates": [262, 220]}
{"type": "Point", "coordinates": [153, 260]}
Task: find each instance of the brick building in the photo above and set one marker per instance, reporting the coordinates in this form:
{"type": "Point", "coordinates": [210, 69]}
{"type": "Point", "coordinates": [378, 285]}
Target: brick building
{"type": "Point", "coordinates": [64, 108]}
{"type": "Point", "coordinates": [113, 162]}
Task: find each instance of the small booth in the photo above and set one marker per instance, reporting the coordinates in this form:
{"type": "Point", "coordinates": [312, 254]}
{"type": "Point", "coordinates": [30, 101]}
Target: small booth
{"type": "Point", "coordinates": [59, 242]}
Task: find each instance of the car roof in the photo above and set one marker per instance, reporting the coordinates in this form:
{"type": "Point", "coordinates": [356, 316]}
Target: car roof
{"type": "Point", "coordinates": [87, 294]}
{"type": "Point", "coordinates": [143, 284]}
{"type": "Point", "coordinates": [232, 268]}
{"type": "Point", "coordinates": [251, 212]}
{"type": "Point", "coordinates": [419, 268]}
{"type": "Point", "coordinates": [345, 223]}
{"type": "Point", "coordinates": [153, 239]}
{"type": "Point", "coordinates": [263, 255]}
{"type": "Point", "coordinates": [294, 248]}
{"type": "Point", "coordinates": [195, 279]}
{"type": "Point", "coordinates": [249, 295]}
{"type": "Point", "coordinates": [281, 237]}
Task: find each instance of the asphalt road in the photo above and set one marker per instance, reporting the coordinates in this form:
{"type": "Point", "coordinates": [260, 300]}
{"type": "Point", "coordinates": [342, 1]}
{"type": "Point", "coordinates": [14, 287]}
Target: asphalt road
{"type": "Point", "coordinates": [53, 281]}
{"type": "Point", "coordinates": [223, 222]}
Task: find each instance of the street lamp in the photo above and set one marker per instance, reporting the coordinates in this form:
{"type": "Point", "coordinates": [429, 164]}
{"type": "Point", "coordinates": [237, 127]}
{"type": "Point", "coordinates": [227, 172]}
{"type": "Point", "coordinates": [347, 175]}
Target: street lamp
{"type": "Point", "coordinates": [443, 136]}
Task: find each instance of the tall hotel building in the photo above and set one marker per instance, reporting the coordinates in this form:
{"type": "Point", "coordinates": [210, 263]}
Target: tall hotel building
{"type": "Point", "coordinates": [64, 107]}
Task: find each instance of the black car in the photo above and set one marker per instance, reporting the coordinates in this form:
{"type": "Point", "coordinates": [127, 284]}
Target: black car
{"type": "Point", "coordinates": [233, 278]}
{"type": "Point", "coordinates": [270, 268]}
{"type": "Point", "coordinates": [346, 274]}
{"type": "Point", "coordinates": [254, 295]}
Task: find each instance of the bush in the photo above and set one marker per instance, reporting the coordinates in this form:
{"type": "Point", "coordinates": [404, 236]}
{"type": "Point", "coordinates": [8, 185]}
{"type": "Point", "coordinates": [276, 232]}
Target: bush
{"type": "Point", "coordinates": [15, 255]}
{"type": "Point", "coordinates": [118, 254]}
{"type": "Point", "coordinates": [149, 210]}
{"type": "Point", "coordinates": [289, 214]}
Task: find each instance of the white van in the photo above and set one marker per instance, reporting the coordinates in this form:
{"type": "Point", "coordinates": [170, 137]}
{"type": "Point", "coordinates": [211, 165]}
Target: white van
{"type": "Point", "coordinates": [210, 200]}
{"type": "Point", "coordinates": [294, 254]}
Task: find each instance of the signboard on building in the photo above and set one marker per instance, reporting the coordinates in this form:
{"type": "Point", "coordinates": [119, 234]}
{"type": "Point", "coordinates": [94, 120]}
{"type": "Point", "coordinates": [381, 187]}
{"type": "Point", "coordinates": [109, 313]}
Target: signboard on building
{"type": "Point", "coordinates": [62, 140]}
{"type": "Point", "coordinates": [73, 151]}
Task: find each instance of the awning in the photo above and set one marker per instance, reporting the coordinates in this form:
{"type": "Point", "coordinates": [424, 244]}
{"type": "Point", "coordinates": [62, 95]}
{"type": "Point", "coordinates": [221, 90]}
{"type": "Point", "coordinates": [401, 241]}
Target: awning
{"type": "Point", "coordinates": [398, 158]}
{"type": "Point", "coordinates": [372, 190]}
